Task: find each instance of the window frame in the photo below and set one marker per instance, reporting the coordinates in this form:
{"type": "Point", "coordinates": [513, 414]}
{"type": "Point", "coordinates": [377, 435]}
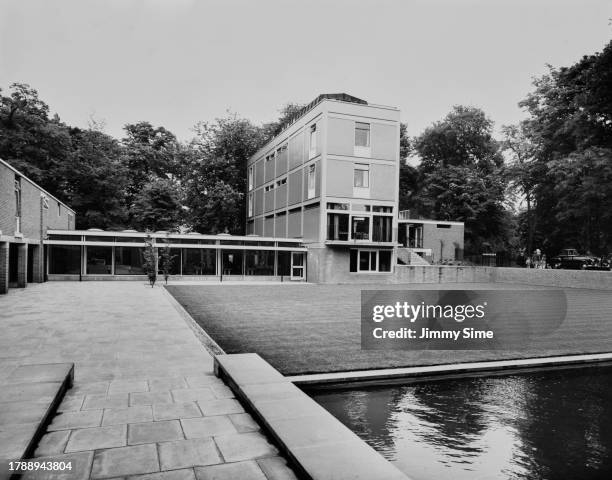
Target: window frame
{"type": "Point", "coordinates": [311, 181]}
{"type": "Point", "coordinates": [361, 167]}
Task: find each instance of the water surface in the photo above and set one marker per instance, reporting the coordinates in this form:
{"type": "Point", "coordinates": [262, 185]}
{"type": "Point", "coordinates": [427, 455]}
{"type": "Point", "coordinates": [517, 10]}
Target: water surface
{"type": "Point", "coordinates": [544, 425]}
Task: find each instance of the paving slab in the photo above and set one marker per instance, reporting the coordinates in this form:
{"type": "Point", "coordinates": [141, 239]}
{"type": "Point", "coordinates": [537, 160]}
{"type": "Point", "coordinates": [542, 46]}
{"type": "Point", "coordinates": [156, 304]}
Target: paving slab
{"type": "Point", "coordinates": [151, 432]}
{"type": "Point", "coordinates": [128, 386]}
{"type": "Point", "coordinates": [119, 416]}
{"type": "Point", "coordinates": [276, 468]}
{"type": "Point", "coordinates": [207, 426]}
{"type": "Point", "coordinates": [183, 474]}
{"type": "Point", "coordinates": [195, 381]}
{"type": "Point", "coordinates": [166, 383]}
{"type": "Point", "coordinates": [150, 398]}
{"type": "Point", "coordinates": [72, 420]}
{"type": "Point", "coordinates": [52, 443]}
{"type": "Point", "coordinates": [224, 406]}
{"type": "Point", "coordinates": [244, 446]}
{"type": "Point", "coordinates": [97, 438]}
{"type": "Point", "coordinates": [170, 411]}
{"type": "Point", "coordinates": [188, 453]}
{"type": "Point", "coordinates": [96, 402]}
{"type": "Point", "coordinates": [193, 394]}
{"type": "Point", "coordinates": [116, 462]}
{"type": "Point", "coordinates": [231, 471]}
{"type": "Point", "coordinates": [244, 422]}
{"type": "Point", "coordinates": [80, 467]}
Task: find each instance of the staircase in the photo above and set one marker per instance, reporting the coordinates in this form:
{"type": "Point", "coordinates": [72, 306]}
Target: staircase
{"type": "Point", "coordinates": [406, 256]}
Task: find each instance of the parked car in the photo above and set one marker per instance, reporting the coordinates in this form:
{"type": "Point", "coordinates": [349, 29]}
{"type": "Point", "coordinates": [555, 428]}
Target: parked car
{"type": "Point", "coordinates": [572, 260]}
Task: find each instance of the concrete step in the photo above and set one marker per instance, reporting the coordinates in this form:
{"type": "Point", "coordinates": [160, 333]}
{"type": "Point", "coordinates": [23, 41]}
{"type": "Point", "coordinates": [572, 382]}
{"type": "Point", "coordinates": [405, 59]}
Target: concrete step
{"type": "Point", "coordinates": [407, 256]}
{"type": "Point", "coordinates": [29, 397]}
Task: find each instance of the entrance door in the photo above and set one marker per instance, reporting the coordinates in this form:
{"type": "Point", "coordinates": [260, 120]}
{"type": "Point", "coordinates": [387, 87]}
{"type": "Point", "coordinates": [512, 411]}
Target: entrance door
{"type": "Point", "coordinates": [297, 266]}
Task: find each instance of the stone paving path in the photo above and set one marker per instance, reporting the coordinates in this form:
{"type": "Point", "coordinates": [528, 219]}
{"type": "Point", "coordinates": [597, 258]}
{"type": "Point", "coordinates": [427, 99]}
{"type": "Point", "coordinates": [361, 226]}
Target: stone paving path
{"type": "Point", "coordinates": [145, 403]}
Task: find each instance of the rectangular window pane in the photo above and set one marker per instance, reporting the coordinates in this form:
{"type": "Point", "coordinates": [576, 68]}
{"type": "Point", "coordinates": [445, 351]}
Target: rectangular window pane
{"type": "Point", "coordinates": [128, 261]}
{"type": "Point", "coordinates": [259, 262]}
{"type": "Point", "coordinates": [381, 229]}
{"type": "Point", "coordinates": [232, 262]}
{"type": "Point", "coordinates": [199, 261]}
{"type": "Point", "coordinates": [364, 260]}
{"type": "Point", "coordinates": [361, 177]}
{"type": "Point", "coordinates": [284, 263]}
{"type": "Point", "coordinates": [337, 226]}
{"type": "Point", "coordinates": [175, 263]}
{"type": "Point", "coordinates": [353, 261]}
{"type": "Point", "coordinates": [99, 260]}
{"type": "Point", "coordinates": [361, 228]}
{"type": "Point", "coordinates": [384, 261]}
{"type": "Point", "coordinates": [64, 259]}
{"type": "Point", "coordinates": [362, 134]}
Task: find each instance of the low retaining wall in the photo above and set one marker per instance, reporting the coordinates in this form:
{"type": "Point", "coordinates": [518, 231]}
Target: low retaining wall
{"type": "Point", "coordinates": [194, 278]}
{"type": "Point", "coordinates": [553, 278]}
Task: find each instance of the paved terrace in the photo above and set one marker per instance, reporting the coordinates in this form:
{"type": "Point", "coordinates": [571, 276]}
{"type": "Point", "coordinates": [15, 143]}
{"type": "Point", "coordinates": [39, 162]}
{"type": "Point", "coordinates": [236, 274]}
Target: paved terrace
{"type": "Point", "coordinates": [144, 400]}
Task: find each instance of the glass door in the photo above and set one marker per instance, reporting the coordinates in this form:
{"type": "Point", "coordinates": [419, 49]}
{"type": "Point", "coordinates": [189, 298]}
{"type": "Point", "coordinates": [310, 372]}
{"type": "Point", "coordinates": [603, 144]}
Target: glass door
{"type": "Point", "coordinates": [297, 266]}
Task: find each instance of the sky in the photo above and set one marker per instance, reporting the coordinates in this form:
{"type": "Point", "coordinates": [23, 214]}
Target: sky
{"type": "Point", "coordinates": [176, 62]}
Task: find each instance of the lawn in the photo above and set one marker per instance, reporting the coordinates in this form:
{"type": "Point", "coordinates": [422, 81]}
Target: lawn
{"type": "Point", "coordinates": [316, 328]}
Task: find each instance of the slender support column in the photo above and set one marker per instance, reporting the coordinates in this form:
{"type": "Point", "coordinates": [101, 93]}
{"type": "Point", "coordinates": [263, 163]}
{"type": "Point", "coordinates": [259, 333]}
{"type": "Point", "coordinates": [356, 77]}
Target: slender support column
{"type": "Point", "coordinates": [22, 265]}
{"type": "Point", "coordinates": [4, 267]}
{"type": "Point", "coordinates": [37, 264]}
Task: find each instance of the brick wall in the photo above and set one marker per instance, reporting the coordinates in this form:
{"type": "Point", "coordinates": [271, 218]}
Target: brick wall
{"type": "Point", "coordinates": [7, 200]}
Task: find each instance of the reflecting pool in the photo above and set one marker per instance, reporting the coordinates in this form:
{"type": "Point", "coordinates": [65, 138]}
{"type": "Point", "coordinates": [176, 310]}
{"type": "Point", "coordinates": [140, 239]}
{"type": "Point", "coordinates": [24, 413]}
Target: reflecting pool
{"type": "Point", "coordinates": [543, 425]}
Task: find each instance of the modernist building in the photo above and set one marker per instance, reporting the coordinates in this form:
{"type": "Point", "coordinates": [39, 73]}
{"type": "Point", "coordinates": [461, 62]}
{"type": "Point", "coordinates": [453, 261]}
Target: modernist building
{"type": "Point", "coordinates": [432, 240]}
{"type": "Point", "coordinates": [27, 212]}
{"type": "Point", "coordinates": [330, 178]}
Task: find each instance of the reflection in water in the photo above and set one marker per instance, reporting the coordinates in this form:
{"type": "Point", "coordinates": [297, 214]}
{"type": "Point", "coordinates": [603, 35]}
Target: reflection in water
{"type": "Point", "coordinates": [543, 425]}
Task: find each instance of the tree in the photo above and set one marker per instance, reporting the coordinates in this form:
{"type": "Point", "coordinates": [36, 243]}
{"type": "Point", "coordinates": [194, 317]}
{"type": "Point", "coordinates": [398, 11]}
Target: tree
{"type": "Point", "coordinates": [166, 258]}
{"type": "Point", "coordinates": [571, 124]}
{"type": "Point", "coordinates": [157, 206]}
{"type": "Point", "coordinates": [149, 260]}
{"type": "Point", "coordinates": [461, 177]}
{"type": "Point", "coordinates": [521, 171]}
{"type": "Point", "coordinates": [94, 179]}
{"type": "Point", "coordinates": [215, 184]}
{"type": "Point", "coordinates": [287, 114]}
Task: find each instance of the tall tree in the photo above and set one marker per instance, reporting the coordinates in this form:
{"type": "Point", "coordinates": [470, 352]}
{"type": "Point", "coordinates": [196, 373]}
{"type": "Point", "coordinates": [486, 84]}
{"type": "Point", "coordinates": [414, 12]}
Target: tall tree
{"type": "Point", "coordinates": [461, 177]}
{"type": "Point", "coordinates": [571, 125]}
{"type": "Point", "coordinates": [216, 180]}
{"type": "Point", "coordinates": [157, 206]}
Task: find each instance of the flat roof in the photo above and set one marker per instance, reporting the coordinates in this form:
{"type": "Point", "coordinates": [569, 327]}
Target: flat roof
{"type": "Point", "coordinates": [420, 220]}
{"type": "Point", "coordinates": [8, 165]}
{"type": "Point", "coordinates": [192, 236]}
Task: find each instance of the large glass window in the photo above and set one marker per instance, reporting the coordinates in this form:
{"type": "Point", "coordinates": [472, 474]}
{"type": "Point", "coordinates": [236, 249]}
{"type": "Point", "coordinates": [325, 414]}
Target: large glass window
{"type": "Point", "coordinates": [64, 259]}
{"type": "Point", "coordinates": [337, 226]}
{"type": "Point", "coordinates": [199, 261]}
{"type": "Point", "coordinates": [251, 178]}
{"type": "Point", "coordinates": [362, 176]}
{"type": "Point", "coordinates": [284, 263]}
{"type": "Point", "coordinates": [99, 260]}
{"type": "Point", "coordinates": [128, 261]}
{"type": "Point", "coordinates": [362, 134]}
{"type": "Point", "coordinates": [232, 262]}
{"type": "Point", "coordinates": [384, 261]}
{"type": "Point", "coordinates": [360, 228]}
{"type": "Point", "coordinates": [259, 262]}
{"type": "Point", "coordinates": [250, 200]}
{"type": "Point", "coordinates": [175, 264]}
{"type": "Point", "coordinates": [381, 228]}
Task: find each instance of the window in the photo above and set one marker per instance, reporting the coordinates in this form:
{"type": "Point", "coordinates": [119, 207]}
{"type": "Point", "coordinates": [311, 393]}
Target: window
{"type": "Point", "coordinates": [311, 181]}
{"type": "Point", "coordinates": [313, 140]}
{"type": "Point", "coordinates": [18, 204]}
{"type": "Point", "coordinates": [360, 228]}
{"type": "Point", "coordinates": [99, 260]}
{"type": "Point", "coordinates": [269, 187]}
{"type": "Point", "coordinates": [338, 226]}
{"type": "Point", "coordinates": [337, 206]}
{"type": "Point", "coordinates": [250, 212]}
{"type": "Point", "coordinates": [282, 181]}
{"type": "Point", "coordinates": [382, 209]}
{"type": "Point", "coordinates": [128, 261]}
{"type": "Point", "coordinates": [251, 178]}
{"type": "Point", "coordinates": [59, 209]}
{"type": "Point", "coordinates": [370, 261]}
{"type": "Point", "coordinates": [65, 259]}
{"type": "Point", "coordinates": [381, 228]}
{"type": "Point", "coordinates": [443, 225]}
{"type": "Point", "coordinates": [362, 176]}
{"type": "Point", "coordinates": [362, 134]}
{"type": "Point", "coordinates": [199, 261]}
